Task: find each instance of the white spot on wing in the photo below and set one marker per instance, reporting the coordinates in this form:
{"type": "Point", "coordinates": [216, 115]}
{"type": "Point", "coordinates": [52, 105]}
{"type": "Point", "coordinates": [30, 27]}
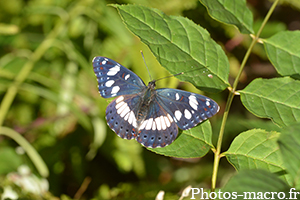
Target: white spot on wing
{"type": "Point", "coordinates": [158, 123]}
{"type": "Point", "coordinates": [113, 71]}
{"type": "Point", "coordinates": [163, 123]}
{"type": "Point", "coordinates": [127, 77]}
{"type": "Point", "coordinates": [131, 118]}
{"type": "Point", "coordinates": [207, 102]}
{"type": "Point", "coordinates": [187, 114]}
{"type": "Point", "coordinates": [193, 102]}
{"type": "Point", "coordinates": [170, 118]}
{"type": "Point", "coordinates": [153, 126]}
{"type": "Point", "coordinates": [126, 116]}
{"type": "Point", "coordinates": [149, 124]}
{"type": "Point", "coordinates": [109, 83]}
{"type": "Point", "coordinates": [122, 108]}
{"type": "Point", "coordinates": [168, 123]}
{"type": "Point", "coordinates": [134, 123]}
{"type": "Point", "coordinates": [125, 111]}
{"type": "Point", "coordinates": [177, 96]}
{"type": "Point", "coordinates": [119, 105]}
{"type": "Point", "coordinates": [121, 98]}
{"type": "Point", "coordinates": [143, 125]}
{"type": "Point", "coordinates": [178, 115]}
{"type": "Point", "coordinates": [115, 90]}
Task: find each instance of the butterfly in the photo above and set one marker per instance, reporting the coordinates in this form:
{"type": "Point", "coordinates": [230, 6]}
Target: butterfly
{"type": "Point", "coordinates": [151, 116]}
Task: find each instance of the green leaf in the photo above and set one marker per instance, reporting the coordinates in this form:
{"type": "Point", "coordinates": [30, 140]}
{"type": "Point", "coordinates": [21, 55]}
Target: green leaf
{"type": "Point", "coordinates": [256, 184]}
{"type": "Point", "coordinates": [277, 99]}
{"type": "Point", "coordinates": [256, 149]}
{"type": "Point", "coordinates": [191, 143]}
{"type": "Point", "coordinates": [283, 51]}
{"type": "Point", "coordinates": [234, 12]}
{"type": "Point", "coordinates": [289, 145]}
{"type": "Point", "coordinates": [180, 46]}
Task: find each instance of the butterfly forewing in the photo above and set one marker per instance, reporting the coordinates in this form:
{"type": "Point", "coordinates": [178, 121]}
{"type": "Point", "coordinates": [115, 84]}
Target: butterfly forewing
{"type": "Point", "coordinates": [187, 109]}
{"type": "Point", "coordinates": [114, 79]}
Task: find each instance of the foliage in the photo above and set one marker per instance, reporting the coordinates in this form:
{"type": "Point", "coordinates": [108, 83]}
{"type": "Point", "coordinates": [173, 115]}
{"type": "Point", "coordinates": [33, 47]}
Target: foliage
{"type": "Point", "coordinates": [52, 117]}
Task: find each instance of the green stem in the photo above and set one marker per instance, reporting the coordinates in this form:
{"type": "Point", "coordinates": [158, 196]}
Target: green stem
{"type": "Point", "coordinates": [20, 78]}
{"type": "Point", "coordinates": [23, 74]}
{"type": "Point", "coordinates": [231, 96]}
{"type": "Point", "coordinates": [31, 152]}
{"type": "Point", "coordinates": [13, 90]}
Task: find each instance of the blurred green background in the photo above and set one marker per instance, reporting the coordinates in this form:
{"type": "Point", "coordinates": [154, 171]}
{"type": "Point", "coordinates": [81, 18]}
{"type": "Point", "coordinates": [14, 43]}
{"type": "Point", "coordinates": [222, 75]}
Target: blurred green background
{"type": "Point", "coordinates": [48, 46]}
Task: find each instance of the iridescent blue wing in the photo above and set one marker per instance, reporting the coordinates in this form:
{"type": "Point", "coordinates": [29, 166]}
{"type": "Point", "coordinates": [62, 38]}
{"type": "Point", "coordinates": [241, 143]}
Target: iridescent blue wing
{"type": "Point", "coordinates": [158, 129]}
{"type": "Point", "coordinates": [115, 79]}
{"type": "Point", "coordinates": [186, 108]}
{"type": "Point", "coordinates": [121, 115]}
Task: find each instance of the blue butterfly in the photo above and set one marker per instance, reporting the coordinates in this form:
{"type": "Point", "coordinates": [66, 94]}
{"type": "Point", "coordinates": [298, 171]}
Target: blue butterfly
{"type": "Point", "coordinates": [151, 116]}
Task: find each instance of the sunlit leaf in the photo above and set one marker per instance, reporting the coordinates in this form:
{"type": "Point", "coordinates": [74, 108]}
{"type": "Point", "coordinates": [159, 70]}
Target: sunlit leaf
{"type": "Point", "coordinates": [233, 12]}
{"type": "Point", "coordinates": [256, 149]}
{"type": "Point", "coordinates": [192, 143]}
{"type": "Point", "coordinates": [277, 99]}
{"type": "Point", "coordinates": [180, 46]}
{"type": "Point", "coordinates": [283, 51]}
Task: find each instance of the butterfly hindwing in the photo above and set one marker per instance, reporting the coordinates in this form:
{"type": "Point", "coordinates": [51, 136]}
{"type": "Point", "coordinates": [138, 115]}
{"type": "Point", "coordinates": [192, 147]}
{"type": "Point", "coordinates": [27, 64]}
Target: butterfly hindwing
{"type": "Point", "coordinates": [121, 115]}
{"type": "Point", "coordinates": [187, 109]}
{"type": "Point", "coordinates": [114, 79]}
{"type": "Point", "coordinates": [158, 129]}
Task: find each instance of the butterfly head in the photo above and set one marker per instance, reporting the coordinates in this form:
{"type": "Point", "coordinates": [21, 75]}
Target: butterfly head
{"type": "Point", "coordinates": [152, 84]}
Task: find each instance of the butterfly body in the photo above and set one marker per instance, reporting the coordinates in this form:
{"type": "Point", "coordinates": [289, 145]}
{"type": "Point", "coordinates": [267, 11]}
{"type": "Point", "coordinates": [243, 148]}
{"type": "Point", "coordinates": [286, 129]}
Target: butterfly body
{"type": "Point", "coordinates": [151, 116]}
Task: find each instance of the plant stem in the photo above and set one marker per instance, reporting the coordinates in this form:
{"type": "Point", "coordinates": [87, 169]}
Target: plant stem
{"type": "Point", "coordinates": [13, 90]}
{"type": "Point", "coordinates": [231, 96]}
{"type": "Point", "coordinates": [21, 77]}
{"type": "Point", "coordinates": [31, 152]}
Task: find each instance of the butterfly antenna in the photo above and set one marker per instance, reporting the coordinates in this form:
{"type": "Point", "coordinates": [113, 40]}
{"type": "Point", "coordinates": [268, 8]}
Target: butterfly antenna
{"type": "Point", "coordinates": [146, 66]}
{"type": "Point", "coordinates": [170, 76]}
